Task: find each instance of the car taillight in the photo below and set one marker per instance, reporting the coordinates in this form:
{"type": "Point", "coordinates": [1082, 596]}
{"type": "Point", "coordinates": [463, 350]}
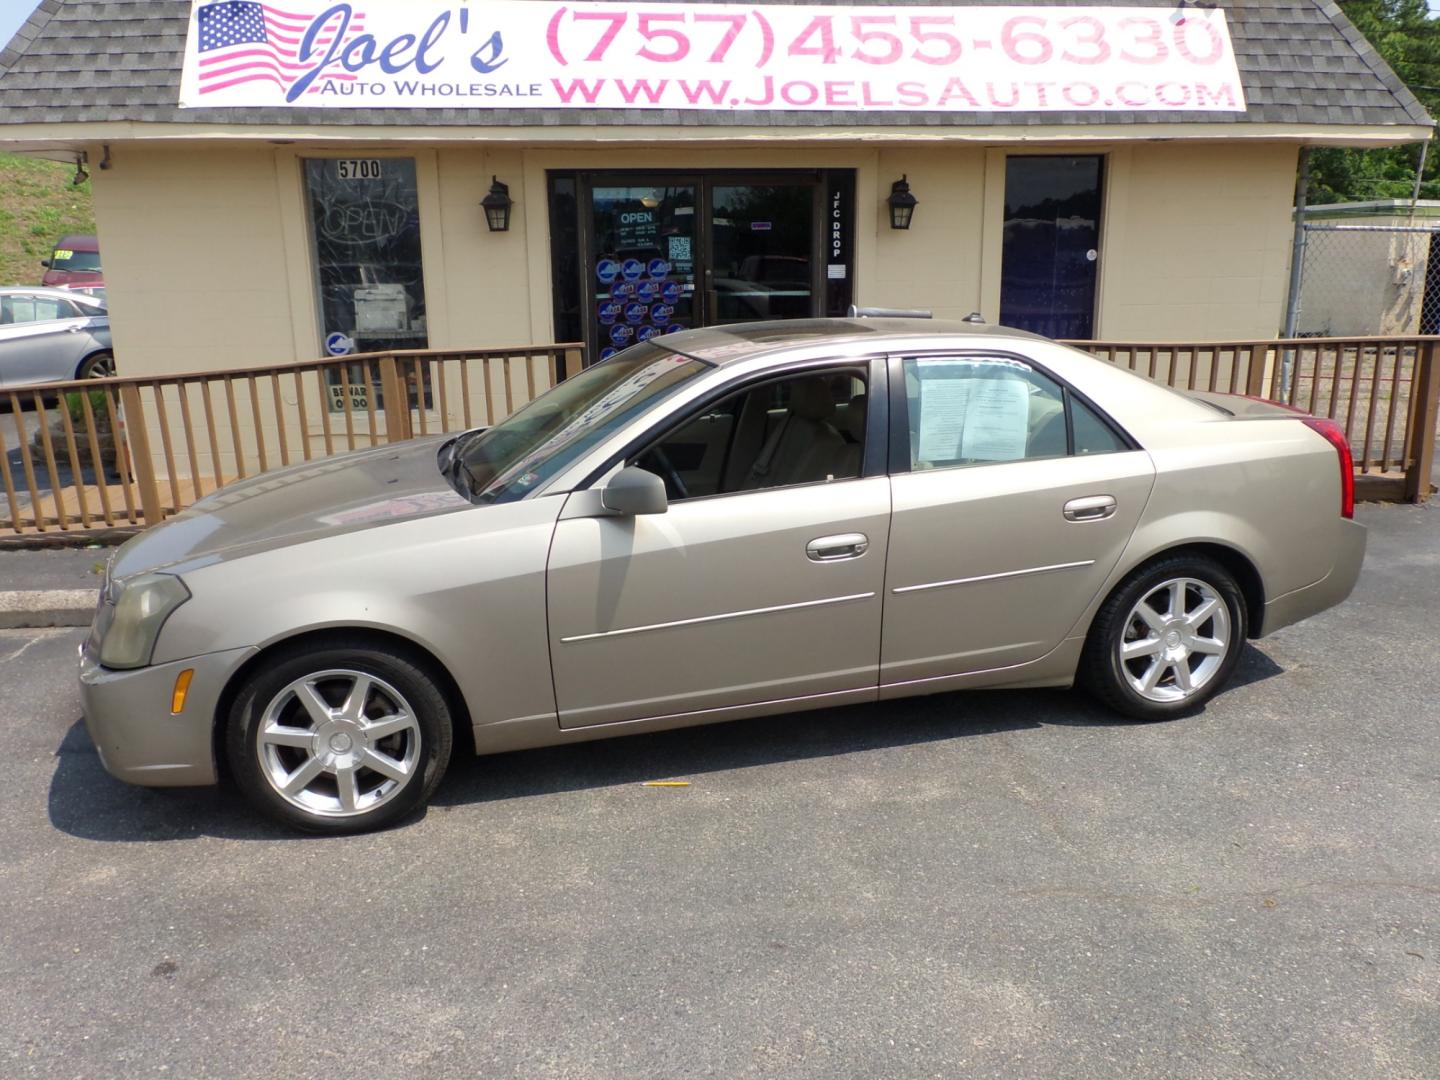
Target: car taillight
{"type": "Point", "coordinates": [1336, 438]}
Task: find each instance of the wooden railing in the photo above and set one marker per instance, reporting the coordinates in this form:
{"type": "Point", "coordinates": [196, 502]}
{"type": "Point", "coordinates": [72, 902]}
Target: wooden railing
{"type": "Point", "coordinates": [104, 454]}
{"type": "Point", "coordinates": [1381, 390]}
{"type": "Point", "coordinates": [116, 453]}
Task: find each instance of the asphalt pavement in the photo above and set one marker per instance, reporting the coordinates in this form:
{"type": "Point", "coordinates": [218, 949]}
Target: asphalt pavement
{"type": "Point", "coordinates": [989, 884]}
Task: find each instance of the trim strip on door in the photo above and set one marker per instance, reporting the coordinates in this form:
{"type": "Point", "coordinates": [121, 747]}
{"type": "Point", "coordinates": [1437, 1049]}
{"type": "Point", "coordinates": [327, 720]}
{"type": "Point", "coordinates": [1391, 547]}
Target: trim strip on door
{"type": "Point", "coordinates": [995, 577]}
{"type": "Point", "coordinates": [718, 618]}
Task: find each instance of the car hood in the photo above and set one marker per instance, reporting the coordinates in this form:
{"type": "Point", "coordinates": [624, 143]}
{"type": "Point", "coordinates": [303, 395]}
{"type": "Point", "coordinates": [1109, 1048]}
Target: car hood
{"type": "Point", "coordinates": [362, 490]}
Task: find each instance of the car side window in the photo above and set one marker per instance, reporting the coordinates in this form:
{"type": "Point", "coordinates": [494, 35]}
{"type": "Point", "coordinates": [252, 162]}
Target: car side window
{"type": "Point", "coordinates": [26, 309]}
{"type": "Point", "coordinates": [1093, 435]}
{"type": "Point", "coordinates": [981, 410]}
{"type": "Point", "coordinates": [801, 429]}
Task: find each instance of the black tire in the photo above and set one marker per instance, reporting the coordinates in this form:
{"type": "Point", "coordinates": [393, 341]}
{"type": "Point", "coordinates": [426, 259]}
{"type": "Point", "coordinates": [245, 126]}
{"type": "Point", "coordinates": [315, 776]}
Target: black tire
{"type": "Point", "coordinates": [100, 365]}
{"type": "Point", "coordinates": [1111, 679]}
{"type": "Point", "coordinates": [395, 671]}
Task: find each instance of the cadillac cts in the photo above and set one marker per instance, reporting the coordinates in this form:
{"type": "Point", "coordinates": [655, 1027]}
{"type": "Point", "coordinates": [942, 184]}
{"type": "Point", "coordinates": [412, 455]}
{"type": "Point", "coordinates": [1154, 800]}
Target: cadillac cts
{"type": "Point", "coordinates": [712, 525]}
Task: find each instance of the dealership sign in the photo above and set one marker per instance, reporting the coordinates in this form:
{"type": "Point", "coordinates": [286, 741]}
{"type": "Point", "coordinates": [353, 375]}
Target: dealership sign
{"type": "Point", "coordinates": [534, 54]}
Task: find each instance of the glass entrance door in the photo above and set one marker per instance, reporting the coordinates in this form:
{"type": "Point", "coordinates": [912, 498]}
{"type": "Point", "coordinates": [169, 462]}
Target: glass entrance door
{"type": "Point", "coordinates": [1051, 245]}
{"type": "Point", "coordinates": [671, 252]}
{"type": "Point", "coordinates": [643, 262]}
{"type": "Point", "coordinates": [762, 240]}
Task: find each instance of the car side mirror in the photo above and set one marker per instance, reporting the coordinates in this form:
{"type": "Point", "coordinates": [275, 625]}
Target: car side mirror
{"type": "Point", "coordinates": [45, 263]}
{"type": "Point", "coordinates": [634, 491]}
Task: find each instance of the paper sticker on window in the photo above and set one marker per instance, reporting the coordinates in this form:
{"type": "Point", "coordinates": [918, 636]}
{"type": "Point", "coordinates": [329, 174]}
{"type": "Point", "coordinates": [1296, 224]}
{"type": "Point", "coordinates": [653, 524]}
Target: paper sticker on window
{"type": "Point", "coordinates": [966, 418]}
{"type": "Point", "coordinates": [679, 249]}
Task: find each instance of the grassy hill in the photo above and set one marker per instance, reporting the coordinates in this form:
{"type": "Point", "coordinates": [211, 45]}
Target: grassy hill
{"type": "Point", "coordinates": [37, 206]}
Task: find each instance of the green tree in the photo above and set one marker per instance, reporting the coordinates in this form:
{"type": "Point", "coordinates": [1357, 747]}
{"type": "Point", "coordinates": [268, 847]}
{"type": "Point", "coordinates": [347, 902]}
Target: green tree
{"type": "Point", "coordinates": [1403, 32]}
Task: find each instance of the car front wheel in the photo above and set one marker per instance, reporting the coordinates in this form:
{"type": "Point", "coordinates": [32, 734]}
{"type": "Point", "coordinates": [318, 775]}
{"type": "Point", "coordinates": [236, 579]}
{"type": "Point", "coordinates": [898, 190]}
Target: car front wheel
{"type": "Point", "coordinates": [1167, 640]}
{"type": "Point", "coordinates": [340, 738]}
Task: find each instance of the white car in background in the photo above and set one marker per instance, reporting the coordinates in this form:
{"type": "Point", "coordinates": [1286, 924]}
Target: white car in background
{"type": "Point", "coordinates": [52, 335]}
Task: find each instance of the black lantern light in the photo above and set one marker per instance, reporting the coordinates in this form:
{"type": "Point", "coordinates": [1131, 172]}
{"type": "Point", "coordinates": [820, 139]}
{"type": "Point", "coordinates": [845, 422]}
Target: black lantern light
{"type": "Point", "coordinates": [497, 206]}
{"type": "Point", "coordinates": [902, 204]}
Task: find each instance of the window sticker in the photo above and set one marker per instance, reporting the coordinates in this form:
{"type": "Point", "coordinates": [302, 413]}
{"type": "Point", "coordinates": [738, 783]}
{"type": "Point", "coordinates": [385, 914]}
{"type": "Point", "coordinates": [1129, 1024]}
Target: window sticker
{"type": "Point", "coordinates": [972, 411]}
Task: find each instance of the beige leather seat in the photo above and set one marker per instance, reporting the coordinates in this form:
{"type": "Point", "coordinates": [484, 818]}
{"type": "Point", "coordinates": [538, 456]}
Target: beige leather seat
{"type": "Point", "coordinates": [805, 447]}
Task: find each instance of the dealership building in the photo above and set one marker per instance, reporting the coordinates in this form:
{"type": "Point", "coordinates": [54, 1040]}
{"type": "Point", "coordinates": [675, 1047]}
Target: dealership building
{"type": "Point", "coordinates": [274, 183]}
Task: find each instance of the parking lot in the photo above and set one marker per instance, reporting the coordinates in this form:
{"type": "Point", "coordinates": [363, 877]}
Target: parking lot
{"type": "Point", "coordinates": [986, 884]}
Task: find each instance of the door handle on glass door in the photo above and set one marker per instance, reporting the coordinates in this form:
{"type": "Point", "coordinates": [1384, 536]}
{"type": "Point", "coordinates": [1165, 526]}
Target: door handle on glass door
{"type": "Point", "coordinates": [835, 548]}
{"type": "Point", "coordinates": [1090, 508]}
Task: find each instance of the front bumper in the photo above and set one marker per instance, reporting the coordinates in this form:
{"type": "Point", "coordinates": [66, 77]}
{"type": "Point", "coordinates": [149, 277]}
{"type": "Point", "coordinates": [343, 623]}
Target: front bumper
{"type": "Point", "coordinates": [1330, 590]}
{"type": "Point", "coordinates": [128, 716]}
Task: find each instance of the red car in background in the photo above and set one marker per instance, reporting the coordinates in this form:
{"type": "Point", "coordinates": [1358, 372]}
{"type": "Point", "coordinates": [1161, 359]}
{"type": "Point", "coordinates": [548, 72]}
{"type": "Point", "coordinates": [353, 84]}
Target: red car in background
{"type": "Point", "coordinates": [75, 262]}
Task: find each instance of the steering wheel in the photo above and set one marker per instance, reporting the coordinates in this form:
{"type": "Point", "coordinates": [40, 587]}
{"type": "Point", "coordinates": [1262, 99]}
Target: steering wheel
{"type": "Point", "coordinates": [672, 474]}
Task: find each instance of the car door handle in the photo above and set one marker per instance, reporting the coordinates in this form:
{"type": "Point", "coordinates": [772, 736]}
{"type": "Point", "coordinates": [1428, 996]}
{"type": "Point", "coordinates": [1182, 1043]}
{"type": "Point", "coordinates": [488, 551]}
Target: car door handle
{"type": "Point", "coordinates": [835, 548]}
{"type": "Point", "coordinates": [1090, 508]}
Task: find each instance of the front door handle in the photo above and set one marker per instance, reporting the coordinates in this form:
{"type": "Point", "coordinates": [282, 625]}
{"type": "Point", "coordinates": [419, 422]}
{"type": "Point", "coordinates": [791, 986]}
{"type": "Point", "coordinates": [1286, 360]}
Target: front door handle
{"type": "Point", "coordinates": [1090, 508]}
{"type": "Point", "coordinates": [835, 548]}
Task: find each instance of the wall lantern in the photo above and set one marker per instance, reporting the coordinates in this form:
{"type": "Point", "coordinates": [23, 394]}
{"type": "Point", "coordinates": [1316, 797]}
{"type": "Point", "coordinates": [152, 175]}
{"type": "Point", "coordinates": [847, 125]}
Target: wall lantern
{"type": "Point", "coordinates": [497, 206]}
{"type": "Point", "coordinates": [902, 204]}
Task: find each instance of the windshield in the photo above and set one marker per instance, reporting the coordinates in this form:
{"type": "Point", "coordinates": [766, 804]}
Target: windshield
{"type": "Point", "coordinates": [508, 461]}
{"type": "Point", "coordinates": [64, 259]}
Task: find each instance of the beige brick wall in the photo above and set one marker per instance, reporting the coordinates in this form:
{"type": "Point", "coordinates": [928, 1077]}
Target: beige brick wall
{"type": "Point", "coordinates": [1197, 242]}
{"type": "Point", "coordinates": [208, 260]}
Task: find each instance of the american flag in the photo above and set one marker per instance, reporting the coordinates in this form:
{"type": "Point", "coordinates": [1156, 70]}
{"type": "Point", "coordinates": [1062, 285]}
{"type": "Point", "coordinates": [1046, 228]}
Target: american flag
{"type": "Point", "coordinates": [244, 41]}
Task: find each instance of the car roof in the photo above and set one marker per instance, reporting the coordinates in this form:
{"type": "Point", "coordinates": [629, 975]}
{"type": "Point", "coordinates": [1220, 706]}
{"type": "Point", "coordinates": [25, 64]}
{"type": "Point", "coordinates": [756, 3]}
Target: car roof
{"type": "Point", "coordinates": [721, 345]}
{"type": "Point", "coordinates": [79, 242]}
{"type": "Point", "coordinates": [83, 299]}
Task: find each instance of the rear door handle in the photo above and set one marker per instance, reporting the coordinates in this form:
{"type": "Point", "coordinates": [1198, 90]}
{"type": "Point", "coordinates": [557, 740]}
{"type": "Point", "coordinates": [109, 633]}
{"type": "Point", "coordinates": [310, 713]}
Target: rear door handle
{"type": "Point", "coordinates": [835, 548]}
{"type": "Point", "coordinates": [1090, 508]}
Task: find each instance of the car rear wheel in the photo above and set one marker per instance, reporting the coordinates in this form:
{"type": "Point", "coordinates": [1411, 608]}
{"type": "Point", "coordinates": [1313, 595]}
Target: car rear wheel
{"type": "Point", "coordinates": [1167, 639]}
{"type": "Point", "coordinates": [340, 738]}
{"type": "Point", "coordinates": [100, 365]}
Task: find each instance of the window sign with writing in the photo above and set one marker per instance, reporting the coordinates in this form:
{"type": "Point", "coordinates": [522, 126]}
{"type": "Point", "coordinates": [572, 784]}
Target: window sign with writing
{"type": "Point", "coordinates": [539, 54]}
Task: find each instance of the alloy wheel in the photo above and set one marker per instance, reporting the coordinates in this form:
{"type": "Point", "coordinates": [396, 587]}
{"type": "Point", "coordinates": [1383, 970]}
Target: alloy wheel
{"type": "Point", "coordinates": [338, 743]}
{"type": "Point", "coordinates": [1176, 639]}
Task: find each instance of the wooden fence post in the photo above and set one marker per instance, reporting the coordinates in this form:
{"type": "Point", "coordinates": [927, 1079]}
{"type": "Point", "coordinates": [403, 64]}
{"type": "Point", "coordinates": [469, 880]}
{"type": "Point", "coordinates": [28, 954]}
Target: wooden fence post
{"type": "Point", "coordinates": [1255, 374]}
{"type": "Point", "coordinates": [574, 362]}
{"type": "Point", "coordinates": [397, 400]}
{"type": "Point", "coordinates": [139, 439]}
{"type": "Point", "coordinates": [1420, 454]}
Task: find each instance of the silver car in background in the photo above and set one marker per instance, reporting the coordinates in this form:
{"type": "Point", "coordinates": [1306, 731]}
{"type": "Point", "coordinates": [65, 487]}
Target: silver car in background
{"type": "Point", "coordinates": [717, 524]}
{"type": "Point", "coordinates": [52, 335]}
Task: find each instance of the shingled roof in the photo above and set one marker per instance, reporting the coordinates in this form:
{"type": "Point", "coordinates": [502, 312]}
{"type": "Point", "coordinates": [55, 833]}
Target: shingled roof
{"type": "Point", "coordinates": [78, 61]}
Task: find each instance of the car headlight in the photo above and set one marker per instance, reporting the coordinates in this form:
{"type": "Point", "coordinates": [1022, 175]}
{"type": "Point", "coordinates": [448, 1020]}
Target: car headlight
{"type": "Point", "coordinates": [143, 605]}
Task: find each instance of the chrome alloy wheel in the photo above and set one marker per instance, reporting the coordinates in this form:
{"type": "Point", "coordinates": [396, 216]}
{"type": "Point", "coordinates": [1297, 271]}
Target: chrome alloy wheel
{"type": "Point", "coordinates": [338, 743]}
{"type": "Point", "coordinates": [1175, 640]}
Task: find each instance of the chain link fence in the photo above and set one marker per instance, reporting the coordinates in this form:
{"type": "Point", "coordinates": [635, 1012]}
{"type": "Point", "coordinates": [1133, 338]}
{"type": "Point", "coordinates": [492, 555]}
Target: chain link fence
{"type": "Point", "coordinates": [1363, 280]}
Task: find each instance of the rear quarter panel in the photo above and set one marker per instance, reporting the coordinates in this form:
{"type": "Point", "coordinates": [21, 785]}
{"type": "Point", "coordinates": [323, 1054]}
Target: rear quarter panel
{"type": "Point", "coordinates": [1269, 489]}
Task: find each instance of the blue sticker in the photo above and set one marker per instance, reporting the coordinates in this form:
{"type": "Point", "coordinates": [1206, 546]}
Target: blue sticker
{"type": "Point", "coordinates": [658, 268]}
{"type": "Point", "coordinates": [622, 290]}
{"type": "Point", "coordinates": [338, 344]}
{"type": "Point", "coordinates": [622, 334]}
{"type": "Point", "coordinates": [670, 292]}
{"type": "Point", "coordinates": [636, 313]}
{"type": "Point", "coordinates": [632, 269]}
{"type": "Point", "coordinates": [648, 292]}
{"type": "Point", "coordinates": [609, 311]}
{"type": "Point", "coordinates": [607, 270]}
{"type": "Point", "coordinates": [661, 313]}
{"type": "Point", "coordinates": [674, 329]}
{"type": "Point", "coordinates": [608, 352]}
{"type": "Point", "coordinates": [645, 333]}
